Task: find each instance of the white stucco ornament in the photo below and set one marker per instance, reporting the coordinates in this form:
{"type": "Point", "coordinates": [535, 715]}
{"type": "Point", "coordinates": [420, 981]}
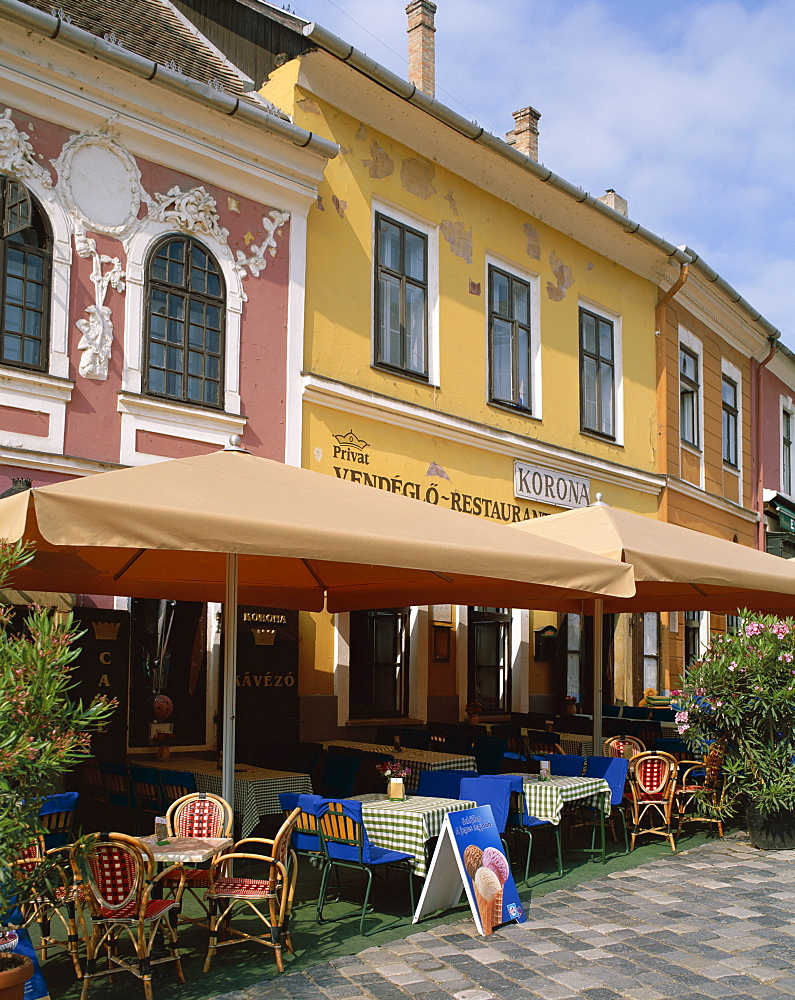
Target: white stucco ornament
{"type": "Point", "coordinates": [96, 341]}
{"type": "Point", "coordinates": [99, 182]}
{"type": "Point", "coordinates": [193, 211]}
{"type": "Point", "coordinates": [16, 153]}
{"type": "Point", "coordinates": [256, 260]}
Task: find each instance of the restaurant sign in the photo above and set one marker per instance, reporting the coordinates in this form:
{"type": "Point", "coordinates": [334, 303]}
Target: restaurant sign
{"type": "Point", "coordinates": [559, 489]}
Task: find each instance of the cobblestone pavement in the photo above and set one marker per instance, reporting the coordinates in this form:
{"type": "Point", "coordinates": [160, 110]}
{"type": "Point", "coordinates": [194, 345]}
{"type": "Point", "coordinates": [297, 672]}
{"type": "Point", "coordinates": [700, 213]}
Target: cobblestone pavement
{"type": "Point", "coordinates": [717, 921]}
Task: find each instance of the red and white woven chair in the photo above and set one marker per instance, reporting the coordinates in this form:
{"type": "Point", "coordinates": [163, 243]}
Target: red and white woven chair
{"type": "Point", "coordinates": [121, 880]}
{"type": "Point", "coordinates": [204, 815]}
{"type": "Point", "coordinates": [623, 746]}
{"type": "Point", "coordinates": [652, 782]}
{"type": "Point", "coordinates": [700, 784]}
{"type": "Point", "coordinates": [61, 896]}
{"type": "Point", "coordinates": [273, 887]}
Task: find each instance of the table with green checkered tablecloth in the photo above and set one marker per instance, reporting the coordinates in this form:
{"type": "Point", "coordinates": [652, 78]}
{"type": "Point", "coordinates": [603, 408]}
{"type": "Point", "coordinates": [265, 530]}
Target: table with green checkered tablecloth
{"type": "Point", "coordinates": [545, 799]}
{"type": "Point", "coordinates": [256, 788]}
{"type": "Point", "coordinates": [417, 760]}
{"type": "Point", "coordinates": [406, 825]}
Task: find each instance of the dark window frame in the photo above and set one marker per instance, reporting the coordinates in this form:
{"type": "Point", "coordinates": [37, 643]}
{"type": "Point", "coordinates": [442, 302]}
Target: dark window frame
{"type": "Point", "coordinates": [189, 296]}
{"type": "Point", "coordinates": [731, 422]}
{"type": "Point", "coordinates": [404, 281]}
{"type": "Point", "coordinates": [690, 397]}
{"type": "Point", "coordinates": [514, 400]}
{"type": "Point", "coordinates": [366, 674]}
{"type": "Point", "coordinates": [602, 363]}
{"type": "Point", "coordinates": [13, 244]}
{"type": "Point", "coordinates": [499, 620]}
{"type": "Point", "coordinates": [786, 451]}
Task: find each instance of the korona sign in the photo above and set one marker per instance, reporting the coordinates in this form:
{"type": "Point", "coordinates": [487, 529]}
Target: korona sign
{"type": "Point", "coordinates": [533, 482]}
{"type": "Point", "coordinates": [469, 858]}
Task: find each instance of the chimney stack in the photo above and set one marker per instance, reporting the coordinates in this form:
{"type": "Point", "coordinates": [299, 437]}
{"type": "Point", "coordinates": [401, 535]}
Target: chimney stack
{"type": "Point", "coordinates": [525, 132]}
{"type": "Point", "coordinates": [422, 51]}
{"type": "Point", "coordinates": [615, 201]}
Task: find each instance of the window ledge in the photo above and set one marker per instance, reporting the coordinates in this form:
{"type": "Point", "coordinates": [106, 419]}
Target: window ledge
{"type": "Point", "coordinates": [178, 415]}
{"type": "Point", "coordinates": [515, 411]}
{"type": "Point", "coordinates": [36, 383]}
{"type": "Point", "coordinates": [604, 438]}
{"type": "Point", "coordinates": [694, 449]}
{"type": "Point", "coordinates": [400, 373]}
{"type": "Point", "coordinates": [728, 467]}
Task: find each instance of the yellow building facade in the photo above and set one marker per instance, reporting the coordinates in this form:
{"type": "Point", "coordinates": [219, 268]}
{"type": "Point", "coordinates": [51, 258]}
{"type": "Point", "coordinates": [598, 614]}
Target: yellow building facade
{"type": "Point", "coordinates": [446, 421]}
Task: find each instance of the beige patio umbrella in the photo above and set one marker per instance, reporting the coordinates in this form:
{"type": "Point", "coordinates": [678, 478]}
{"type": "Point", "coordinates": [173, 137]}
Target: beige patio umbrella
{"type": "Point", "coordinates": [675, 568]}
{"type": "Point", "coordinates": [230, 526]}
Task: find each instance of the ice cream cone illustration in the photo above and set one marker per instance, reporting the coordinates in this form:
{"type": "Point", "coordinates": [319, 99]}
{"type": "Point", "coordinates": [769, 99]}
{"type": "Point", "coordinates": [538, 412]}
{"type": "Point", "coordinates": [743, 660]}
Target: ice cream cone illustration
{"type": "Point", "coordinates": [472, 856]}
{"type": "Point", "coordinates": [488, 891]}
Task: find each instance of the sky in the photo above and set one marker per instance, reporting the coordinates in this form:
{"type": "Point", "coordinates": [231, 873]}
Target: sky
{"type": "Point", "coordinates": [685, 107]}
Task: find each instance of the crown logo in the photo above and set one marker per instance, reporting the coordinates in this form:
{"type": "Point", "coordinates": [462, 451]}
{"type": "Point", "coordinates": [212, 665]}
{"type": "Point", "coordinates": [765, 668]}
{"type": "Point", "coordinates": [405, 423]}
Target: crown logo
{"type": "Point", "coordinates": [350, 440]}
{"type": "Point", "coordinates": [106, 630]}
{"type": "Point", "coordinates": [264, 636]}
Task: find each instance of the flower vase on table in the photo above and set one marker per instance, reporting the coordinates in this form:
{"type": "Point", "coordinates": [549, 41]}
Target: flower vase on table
{"type": "Point", "coordinates": [394, 772]}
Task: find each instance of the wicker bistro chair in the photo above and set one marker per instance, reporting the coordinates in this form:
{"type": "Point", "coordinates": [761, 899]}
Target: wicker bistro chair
{"type": "Point", "coordinates": [652, 781]}
{"type": "Point", "coordinates": [121, 883]}
{"type": "Point", "coordinates": [622, 746]}
{"type": "Point", "coordinates": [346, 845]}
{"type": "Point", "coordinates": [273, 887]}
{"type": "Point", "coordinates": [56, 815]}
{"type": "Point", "coordinates": [700, 781]}
{"type": "Point", "coordinates": [63, 898]}
{"type": "Point", "coordinates": [198, 814]}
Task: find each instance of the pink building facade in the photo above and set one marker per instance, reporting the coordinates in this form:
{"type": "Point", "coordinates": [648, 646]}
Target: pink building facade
{"type": "Point", "coordinates": [775, 449]}
{"type": "Point", "coordinates": [152, 258]}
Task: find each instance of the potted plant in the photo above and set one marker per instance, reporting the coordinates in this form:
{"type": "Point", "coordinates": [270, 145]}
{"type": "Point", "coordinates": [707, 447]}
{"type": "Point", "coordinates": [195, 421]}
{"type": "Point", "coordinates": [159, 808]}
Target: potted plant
{"type": "Point", "coordinates": [473, 710]}
{"type": "Point", "coordinates": [394, 772]}
{"type": "Point", "coordinates": [742, 694]}
{"type": "Point", "coordinates": [42, 735]}
{"type": "Point", "coordinates": [163, 741]}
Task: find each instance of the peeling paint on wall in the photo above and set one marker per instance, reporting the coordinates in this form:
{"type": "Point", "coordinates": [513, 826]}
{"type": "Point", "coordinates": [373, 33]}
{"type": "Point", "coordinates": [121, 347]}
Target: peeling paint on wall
{"type": "Point", "coordinates": [416, 176]}
{"type": "Point", "coordinates": [533, 241]}
{"type": "Point", "coordinates": [474, 287]}
{"type": "Point", "coordinates": [451, 202]}
{"type": "Point", "coordinates": [563, 278]}
{"type": "Point", "coordinates": [320, 204]}
{"type": "Point", "coordinates": [361, 133]}
{"type": "Point", "coordinates": [346, 150]}
{"type": "Point", "coordinates": [380, 164]}
{"type": "Point", "coordinates": [459, 238]}
{"type": "Point", "coordinates": [308, 105]}
{"type": "Point", "coordinates": [339, 205]}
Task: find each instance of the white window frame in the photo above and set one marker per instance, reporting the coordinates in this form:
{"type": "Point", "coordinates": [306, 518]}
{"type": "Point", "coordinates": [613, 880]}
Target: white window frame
{"type": "Point", "coordinates": [618, 366]}
{"type": "Point", "coordinates": [534, 281]}
{"type": "Point", "coordinates": [431, 233]}
{"type": "Point", "coordinates": [732, 372]}
{"type": "Point", "coordinates": [49, 391]}
{"type": "Point", "coordinates": [418, 677]}
{"type": "Point", "coordinates": [695, 346]}
{"type": "Point", "coordinates": [170, 417]}
{"type": "Point", "coordinates": [785, 403]}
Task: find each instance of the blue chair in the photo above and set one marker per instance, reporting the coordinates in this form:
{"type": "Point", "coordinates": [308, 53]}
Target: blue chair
{"type": "Point", "coordinates": [520, 821]}
{"type": "Point", "coordinates": [56, 814]}
{"type": "Point", "coordinates": [611, 711]}
{"type": "Point", "coordinates": [493, 790]}
{"type": "Point", "coordinates": [564, 764]}
{"type": "Point", "coordinates": [614, 771]}
{"type": "Point", "coordinates": [148, 793]}
{"type": "Point", "coordinates": [174, 785]}
{"type": "Point", "coordinates": [116, 778]}
{"type": "Point", "coordinates": [674, 746]}
{"type": "Point", "coordinates": [345, 844]}
{"type": "Point", "coordinates": [338, 775]}
{"type": "Point", "coordinates": [634, 712]}
{"type": "Point", "coordinates": [442, 784]}
{"type": "Point", "coordinates": [488, 752]}
{"type": "Point", "coordinates": [305, 838]}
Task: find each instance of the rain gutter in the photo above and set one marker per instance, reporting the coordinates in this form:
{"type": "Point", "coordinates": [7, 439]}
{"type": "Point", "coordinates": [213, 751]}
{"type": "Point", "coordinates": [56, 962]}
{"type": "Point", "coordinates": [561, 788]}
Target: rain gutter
{"type": "Point", "coordinates": [57, 28]}
{"type": "Point", "coordinates": [409, 92]}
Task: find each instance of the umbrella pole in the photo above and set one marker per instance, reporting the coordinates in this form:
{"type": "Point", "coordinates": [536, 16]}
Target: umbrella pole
{"type": "Point", "coordinates": [230, 680]}
{"type": "Point", "coordinates": [598, 605]}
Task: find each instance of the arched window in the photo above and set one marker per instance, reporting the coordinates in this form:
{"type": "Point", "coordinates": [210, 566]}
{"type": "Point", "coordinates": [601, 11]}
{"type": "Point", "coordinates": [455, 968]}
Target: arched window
{"type": "Point", "coordinates": [25, 265]}
{"type": "Point", "coordinates": [184, 346]}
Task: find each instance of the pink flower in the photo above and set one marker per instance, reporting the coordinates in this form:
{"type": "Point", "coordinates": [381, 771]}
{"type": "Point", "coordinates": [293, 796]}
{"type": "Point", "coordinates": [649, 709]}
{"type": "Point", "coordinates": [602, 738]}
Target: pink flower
{"type": "Point", "coordinates": [681, 718]}
{"type": "Point", "coordinates": [780, 629]}
{"type": "Point", "coordinates": [753, 628]}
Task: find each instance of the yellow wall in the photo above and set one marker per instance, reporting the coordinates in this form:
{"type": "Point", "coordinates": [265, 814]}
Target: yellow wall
{"type": "Point", "coordinates": [471, 223]}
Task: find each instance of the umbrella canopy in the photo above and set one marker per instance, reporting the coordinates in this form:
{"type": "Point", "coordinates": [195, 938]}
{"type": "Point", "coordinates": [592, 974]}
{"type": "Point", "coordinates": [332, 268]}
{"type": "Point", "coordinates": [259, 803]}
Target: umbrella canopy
{"type": "Point", "coordinates": [675, 568]}
{"type": "Point", "coordinates": [164, 530]}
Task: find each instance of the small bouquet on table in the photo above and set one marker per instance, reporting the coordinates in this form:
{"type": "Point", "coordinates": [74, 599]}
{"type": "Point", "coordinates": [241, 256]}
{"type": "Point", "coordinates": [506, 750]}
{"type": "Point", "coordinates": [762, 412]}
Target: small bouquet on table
{"type": "Point", "coordinates": [394, 772]}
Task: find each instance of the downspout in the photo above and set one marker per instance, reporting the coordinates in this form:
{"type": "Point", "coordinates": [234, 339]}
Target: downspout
{"type": "Point", "coordinates": [760, 465]}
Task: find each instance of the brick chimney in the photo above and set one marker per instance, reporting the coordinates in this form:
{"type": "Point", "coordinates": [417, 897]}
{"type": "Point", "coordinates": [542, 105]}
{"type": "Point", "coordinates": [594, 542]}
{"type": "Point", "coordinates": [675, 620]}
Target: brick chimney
{"type": "Point", "coordinates": [422, 51]}
{"type": "Point", "coordinates": [615, 201]}
{"type": "Point", "coordinates": [525, 132]}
